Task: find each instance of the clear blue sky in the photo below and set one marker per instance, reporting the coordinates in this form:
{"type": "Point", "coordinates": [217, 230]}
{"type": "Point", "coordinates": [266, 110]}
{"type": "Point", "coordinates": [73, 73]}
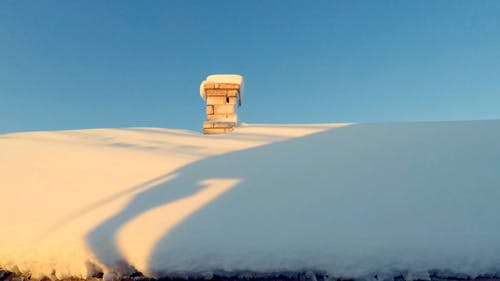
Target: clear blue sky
{"type": "Point", "coordinates": [88, 64]}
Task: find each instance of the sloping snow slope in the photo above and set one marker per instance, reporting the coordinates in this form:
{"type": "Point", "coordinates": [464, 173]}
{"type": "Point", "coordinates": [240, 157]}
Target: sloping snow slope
{"type": "Point", "coordinates": [354, 201]}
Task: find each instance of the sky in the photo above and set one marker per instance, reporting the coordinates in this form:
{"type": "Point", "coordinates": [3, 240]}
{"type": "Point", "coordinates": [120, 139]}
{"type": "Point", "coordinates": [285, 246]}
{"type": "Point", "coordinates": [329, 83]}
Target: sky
{"type": "Point", "coordinates": [100, 64]}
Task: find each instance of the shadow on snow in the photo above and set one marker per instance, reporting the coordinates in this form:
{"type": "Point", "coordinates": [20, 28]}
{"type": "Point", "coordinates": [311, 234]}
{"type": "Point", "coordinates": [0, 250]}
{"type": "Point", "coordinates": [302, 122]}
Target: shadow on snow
{"type": "Point", "coordinates": [293, 196]}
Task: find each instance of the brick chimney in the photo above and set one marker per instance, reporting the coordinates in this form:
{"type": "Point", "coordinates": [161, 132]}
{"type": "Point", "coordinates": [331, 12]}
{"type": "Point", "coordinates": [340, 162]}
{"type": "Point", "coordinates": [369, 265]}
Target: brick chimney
{"type": "Point", "coordinates": [223, 95]}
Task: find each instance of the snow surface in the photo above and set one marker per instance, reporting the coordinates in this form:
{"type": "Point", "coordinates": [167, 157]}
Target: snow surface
{"type": "Point", "coordinates": [352, 200]}
{"type": "Point", "coordinates": [223, 78]}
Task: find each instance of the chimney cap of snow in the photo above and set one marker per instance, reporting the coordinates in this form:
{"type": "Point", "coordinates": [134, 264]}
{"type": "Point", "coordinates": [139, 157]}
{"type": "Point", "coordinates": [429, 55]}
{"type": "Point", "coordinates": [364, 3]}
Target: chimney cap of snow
{"type": "Point", "coordinates": [223, 79]}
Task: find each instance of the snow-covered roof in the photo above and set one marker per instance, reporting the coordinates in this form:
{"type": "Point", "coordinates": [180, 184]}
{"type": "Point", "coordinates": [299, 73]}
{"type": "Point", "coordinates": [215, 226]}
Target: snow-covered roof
{"type": "Point", "coordinates": [353, 201]}
{"type": "Point", "coordinates": [222, 78]}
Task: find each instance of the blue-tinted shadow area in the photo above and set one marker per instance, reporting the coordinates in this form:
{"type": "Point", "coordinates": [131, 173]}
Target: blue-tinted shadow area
{"type": "Point", "coordinates": [352, 199]}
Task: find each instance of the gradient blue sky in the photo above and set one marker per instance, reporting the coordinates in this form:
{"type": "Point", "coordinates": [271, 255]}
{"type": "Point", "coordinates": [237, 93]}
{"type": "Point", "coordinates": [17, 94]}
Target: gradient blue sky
{"type": "Point", "coordinates": [88, 64]}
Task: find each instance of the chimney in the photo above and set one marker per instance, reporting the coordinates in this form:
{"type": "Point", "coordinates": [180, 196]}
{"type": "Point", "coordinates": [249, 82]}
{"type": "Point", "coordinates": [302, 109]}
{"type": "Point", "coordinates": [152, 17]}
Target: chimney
{"type": "Point", "coordinates": [223, 94]}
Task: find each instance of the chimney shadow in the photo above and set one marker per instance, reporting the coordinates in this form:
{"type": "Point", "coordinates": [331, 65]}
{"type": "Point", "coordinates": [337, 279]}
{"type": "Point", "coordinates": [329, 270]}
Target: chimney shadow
{"type": "Point", "coordinates": [102, 240]}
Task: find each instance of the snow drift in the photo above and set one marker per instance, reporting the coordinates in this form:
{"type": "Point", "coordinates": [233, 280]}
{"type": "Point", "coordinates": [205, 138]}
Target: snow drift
{"type": "Point", "coordinates": [349, 200]}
